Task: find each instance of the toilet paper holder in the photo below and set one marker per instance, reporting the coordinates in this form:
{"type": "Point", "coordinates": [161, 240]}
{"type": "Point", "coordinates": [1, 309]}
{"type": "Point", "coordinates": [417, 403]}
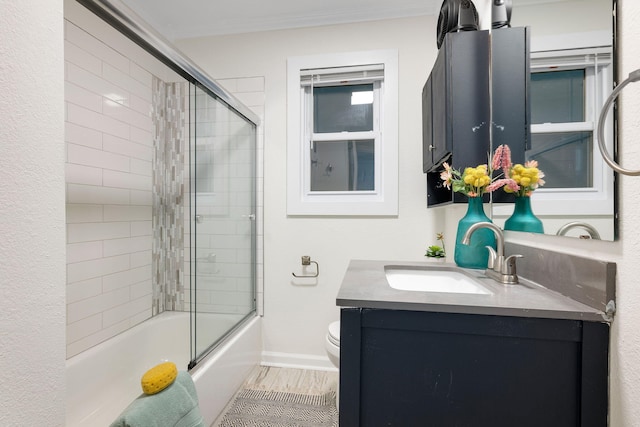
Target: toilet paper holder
{"type": "Point", "coordinates": [306, 260]}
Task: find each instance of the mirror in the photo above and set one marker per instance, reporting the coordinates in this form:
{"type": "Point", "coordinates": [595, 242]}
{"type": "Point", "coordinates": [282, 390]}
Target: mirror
{"type": "Point", "coordinates": [572, 75]}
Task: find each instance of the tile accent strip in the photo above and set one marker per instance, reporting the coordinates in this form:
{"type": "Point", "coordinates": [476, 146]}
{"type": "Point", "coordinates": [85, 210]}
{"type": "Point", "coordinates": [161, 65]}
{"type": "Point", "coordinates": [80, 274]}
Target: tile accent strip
{"type": "Point", "coordinates": [168, 195]}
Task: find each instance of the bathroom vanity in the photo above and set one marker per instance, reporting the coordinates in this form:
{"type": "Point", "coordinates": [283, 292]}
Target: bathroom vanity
{"type": "Point", "coordinates": [516, 355]}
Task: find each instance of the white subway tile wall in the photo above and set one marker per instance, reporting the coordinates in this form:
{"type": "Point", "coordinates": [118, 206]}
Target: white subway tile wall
{"type": "Point", "coordinates": [109, 140]}
{"type": "Point", "coordinates": [109, 187]}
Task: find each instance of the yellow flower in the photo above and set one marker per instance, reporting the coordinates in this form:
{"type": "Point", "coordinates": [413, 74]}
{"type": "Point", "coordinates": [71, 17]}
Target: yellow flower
{"type": "Point", "coordinates": [528, 177]}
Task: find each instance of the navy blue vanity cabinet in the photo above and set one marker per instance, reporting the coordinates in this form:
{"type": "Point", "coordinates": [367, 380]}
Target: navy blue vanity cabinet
{"type": "Point", "coordinates": [410, 368]}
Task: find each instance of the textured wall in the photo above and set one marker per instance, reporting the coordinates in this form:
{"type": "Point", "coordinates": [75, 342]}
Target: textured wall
{"type": "Point", "coordinates": [32, 251]}
{"type": "Point", "coordinates": [625, 342]}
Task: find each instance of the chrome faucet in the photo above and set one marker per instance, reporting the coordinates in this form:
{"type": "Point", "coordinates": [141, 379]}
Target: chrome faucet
{"type": "Point", "coordinates": [593, 233]}
{"type": "Point", "coordinates": [499, 268]}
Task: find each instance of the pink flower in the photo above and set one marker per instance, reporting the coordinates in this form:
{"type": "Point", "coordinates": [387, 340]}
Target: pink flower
{"type": "Point", "coordinates": [541, 182]}
{"type": "Point", "coordinates": [502, 159]}
{"type": "Point", "coordinates": [446, 175]}
{"type": "Point", "coordinates": [508, 182]}
{"type": "Point", "coordinates": [512, 185]}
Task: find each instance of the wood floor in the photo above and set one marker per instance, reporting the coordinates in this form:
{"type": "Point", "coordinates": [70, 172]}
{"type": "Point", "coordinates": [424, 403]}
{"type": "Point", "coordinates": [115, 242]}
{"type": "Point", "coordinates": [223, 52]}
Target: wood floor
{"type": "Point", "coordinates": [301, 381]}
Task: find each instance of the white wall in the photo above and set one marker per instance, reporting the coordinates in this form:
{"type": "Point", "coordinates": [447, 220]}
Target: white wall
{"type": "Point", "coordinates": [567, 16]}
{"type": "Point", "coordinates": [32, 248]}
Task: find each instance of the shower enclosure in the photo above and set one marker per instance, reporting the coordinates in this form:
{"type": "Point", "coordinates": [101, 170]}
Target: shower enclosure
{"type": "Point", "coordinates": [222, 220]}
{"type": "Point", "coordinates": [178, 184]}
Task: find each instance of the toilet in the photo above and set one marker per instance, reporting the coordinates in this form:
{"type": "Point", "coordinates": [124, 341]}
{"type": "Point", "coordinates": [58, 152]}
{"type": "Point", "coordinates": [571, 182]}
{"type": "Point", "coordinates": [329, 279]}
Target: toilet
{"type": "Point", "coordinates": [332, 344]}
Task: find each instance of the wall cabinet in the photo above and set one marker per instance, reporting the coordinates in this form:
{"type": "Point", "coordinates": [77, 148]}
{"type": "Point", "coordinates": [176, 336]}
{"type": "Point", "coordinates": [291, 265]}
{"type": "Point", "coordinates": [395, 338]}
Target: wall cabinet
{"type": "Point", "coordinates": [476, 97]}
{"type": "Point", "coordinates": [407, 368]}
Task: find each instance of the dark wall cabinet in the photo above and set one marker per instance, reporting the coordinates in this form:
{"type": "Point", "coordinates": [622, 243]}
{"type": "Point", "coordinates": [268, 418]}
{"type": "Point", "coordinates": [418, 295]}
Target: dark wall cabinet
{"type": "Point", "coordinates": [476, 93]}
{"type": "Point", "coordinates": [405, 368]}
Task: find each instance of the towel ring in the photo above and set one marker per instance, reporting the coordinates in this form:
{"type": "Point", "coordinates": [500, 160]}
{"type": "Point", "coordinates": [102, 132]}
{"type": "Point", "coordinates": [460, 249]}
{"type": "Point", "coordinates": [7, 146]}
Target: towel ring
{"type": "Point", "coordinates": [306, 260]}
{"type": "Point", "coordinates": [634, 76]}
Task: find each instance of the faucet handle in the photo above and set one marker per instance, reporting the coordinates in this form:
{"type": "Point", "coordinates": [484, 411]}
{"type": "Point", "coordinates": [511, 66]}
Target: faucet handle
{"type": "Point", "coordinates": [492, 257]}
{"type": "Point", "coordinates": [509, 265]}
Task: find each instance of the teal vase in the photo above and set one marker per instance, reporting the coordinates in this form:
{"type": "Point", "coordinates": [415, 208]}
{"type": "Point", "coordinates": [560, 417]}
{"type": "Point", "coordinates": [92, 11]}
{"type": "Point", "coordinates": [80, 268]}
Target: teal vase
{"type": "Point", "coordinates": [474, 255]}
{"type": "Point", "coordinates": [523, 218]}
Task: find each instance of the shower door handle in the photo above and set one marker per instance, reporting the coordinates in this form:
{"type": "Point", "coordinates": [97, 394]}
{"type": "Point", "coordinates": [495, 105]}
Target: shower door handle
{"type": "Point", "coordinates": [252, 217]}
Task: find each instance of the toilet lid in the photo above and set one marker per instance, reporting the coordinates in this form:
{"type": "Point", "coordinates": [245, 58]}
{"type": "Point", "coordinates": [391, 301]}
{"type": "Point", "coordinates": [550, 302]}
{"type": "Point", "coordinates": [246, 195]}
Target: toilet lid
{"type": "Point", "coordinates": [334, 332]}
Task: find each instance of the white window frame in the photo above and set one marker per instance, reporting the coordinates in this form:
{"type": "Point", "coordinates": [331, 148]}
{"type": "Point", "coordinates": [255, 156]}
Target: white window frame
{"type": "Point", "coordinates": [383, 200]}
{"type": "Point", "coordinates": [599, 198]}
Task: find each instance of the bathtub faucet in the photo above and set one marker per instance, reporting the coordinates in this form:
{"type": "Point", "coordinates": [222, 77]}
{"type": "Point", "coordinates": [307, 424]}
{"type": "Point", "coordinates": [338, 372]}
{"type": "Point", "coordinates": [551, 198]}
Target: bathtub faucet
{"type": "Point", "coordinates": [499, 268]}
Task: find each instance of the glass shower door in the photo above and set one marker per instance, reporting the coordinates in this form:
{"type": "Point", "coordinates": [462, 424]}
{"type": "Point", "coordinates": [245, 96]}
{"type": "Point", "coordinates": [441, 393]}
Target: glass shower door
{"type": "Point", "coordinates": [223, 153]}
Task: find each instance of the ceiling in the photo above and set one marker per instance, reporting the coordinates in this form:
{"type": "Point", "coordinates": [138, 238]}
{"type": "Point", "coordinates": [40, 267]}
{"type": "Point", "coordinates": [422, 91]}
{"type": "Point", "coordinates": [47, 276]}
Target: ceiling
{"type": "Point", "coordinates": [197, 18]}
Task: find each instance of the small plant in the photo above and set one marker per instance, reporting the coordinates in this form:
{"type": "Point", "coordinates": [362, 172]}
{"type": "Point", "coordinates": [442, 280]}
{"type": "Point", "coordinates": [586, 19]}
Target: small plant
{"type": "Point", "coordinates": [437, 251]}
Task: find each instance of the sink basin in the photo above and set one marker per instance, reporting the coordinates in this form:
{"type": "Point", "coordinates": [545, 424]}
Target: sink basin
{"type": "Point", "coordinates": [432, 280]}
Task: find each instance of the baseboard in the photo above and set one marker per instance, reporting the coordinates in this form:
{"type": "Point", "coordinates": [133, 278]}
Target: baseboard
{"type": "Point", "coordinates": [297, 361]}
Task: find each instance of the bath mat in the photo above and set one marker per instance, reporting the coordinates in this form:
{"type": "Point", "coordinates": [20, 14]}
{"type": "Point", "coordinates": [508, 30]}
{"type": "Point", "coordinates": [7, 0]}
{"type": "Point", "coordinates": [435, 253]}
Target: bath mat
{"type": "Point", "coordinates": [259, 408]}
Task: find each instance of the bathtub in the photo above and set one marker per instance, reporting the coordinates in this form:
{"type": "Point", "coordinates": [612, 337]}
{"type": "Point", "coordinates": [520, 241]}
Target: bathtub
{"type": "Point", "coordinates": [102, 381]}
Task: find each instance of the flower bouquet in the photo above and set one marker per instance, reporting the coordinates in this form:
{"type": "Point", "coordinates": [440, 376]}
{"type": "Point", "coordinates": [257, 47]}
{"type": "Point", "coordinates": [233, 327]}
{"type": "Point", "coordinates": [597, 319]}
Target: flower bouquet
{"type": "Point", "coordinates": [521, 180]}
{"type": "Point", "coordinates": [473, 182]}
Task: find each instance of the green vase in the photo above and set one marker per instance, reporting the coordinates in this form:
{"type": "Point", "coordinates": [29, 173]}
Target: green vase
{"type": "Point", "coordinates": [474, 255]}
{"type": "Point", "coordinates": [523, 218]}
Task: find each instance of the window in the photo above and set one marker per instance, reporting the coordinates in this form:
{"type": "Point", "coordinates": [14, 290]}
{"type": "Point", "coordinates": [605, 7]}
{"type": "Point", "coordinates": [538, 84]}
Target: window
{"type": "Point", "coordinates": [342, 144]}
{"type": "Point", "coordinates": [568, 88]}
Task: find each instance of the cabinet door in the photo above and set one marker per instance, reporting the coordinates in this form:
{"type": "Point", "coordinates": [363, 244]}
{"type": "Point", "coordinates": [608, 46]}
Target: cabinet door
{"type": "Point", "coordinates": [440, 110]}
{"type": "Point", "coordinates": [467, 91]}
{"type": "Point", "coordinates": [428, 144]}
{"type": "Point", "coordinates": [459, 111]}
{"type": "Point", "coordinates": [402, 368]}
{"type": "Point", "coordinates": [510, 90]}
